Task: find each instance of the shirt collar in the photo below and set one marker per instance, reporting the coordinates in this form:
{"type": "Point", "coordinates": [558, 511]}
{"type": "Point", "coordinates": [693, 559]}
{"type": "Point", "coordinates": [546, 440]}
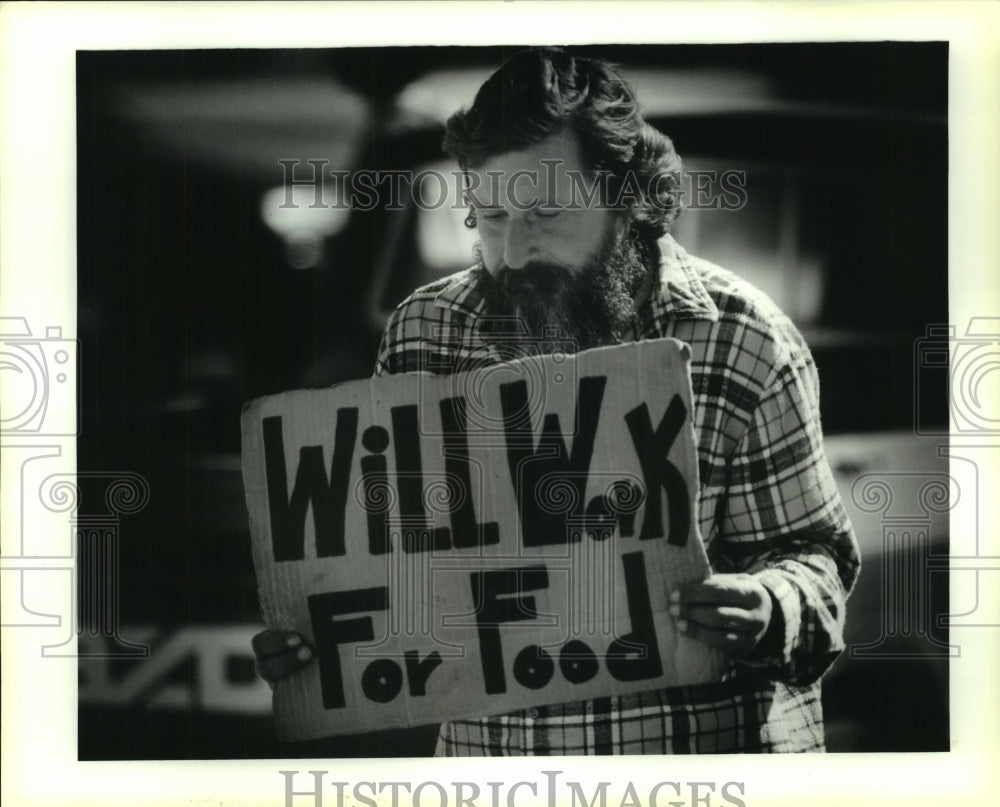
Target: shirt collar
{"type": "Point", "coordinates": [462, 293]}
{"type": "Point", "coordinates": [682, 295]}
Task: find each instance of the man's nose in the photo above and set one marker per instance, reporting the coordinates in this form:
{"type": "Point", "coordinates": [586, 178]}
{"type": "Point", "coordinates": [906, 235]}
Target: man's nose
{"type": "Point", "coordinates": [519, 246]}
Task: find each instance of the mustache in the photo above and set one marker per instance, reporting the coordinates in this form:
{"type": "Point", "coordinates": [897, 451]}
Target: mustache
{"type": "Point", "coordinates": [532, 278]}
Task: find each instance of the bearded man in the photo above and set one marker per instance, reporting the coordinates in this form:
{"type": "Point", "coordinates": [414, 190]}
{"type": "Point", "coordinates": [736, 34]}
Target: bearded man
{"type": "Point", "coordinates": [573, 195]}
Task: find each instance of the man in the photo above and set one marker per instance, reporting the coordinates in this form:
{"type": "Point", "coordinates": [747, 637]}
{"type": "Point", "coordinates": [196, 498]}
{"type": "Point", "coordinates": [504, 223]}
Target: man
{"type": "Point", "coordinates": [593, 264]}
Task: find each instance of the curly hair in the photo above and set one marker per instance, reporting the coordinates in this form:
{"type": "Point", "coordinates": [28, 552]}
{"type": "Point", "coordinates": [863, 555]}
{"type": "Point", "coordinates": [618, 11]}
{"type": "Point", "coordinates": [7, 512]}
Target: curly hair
{"type": "Point", "coordinates": [541, 91]}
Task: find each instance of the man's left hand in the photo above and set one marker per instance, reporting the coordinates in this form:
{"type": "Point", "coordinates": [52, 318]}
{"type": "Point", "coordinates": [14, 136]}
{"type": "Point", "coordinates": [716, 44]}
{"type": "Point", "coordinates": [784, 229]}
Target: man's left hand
{"type": "Point", "coordinates": [727, 611]}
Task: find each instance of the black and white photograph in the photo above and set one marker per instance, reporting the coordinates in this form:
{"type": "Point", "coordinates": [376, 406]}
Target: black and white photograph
{"type": "Point", "coordinates": [209, 276]}
{"type": "Point", "coordinates": [563, 398]}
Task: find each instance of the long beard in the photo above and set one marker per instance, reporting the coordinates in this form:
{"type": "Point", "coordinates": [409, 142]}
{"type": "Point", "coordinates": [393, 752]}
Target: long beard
{"type": "Point", "coordinates": [543, 309]}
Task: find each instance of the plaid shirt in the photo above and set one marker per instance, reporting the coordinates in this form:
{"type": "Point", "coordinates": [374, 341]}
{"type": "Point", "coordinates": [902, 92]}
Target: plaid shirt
{"type": "Point", "coordinates": [768, 507]}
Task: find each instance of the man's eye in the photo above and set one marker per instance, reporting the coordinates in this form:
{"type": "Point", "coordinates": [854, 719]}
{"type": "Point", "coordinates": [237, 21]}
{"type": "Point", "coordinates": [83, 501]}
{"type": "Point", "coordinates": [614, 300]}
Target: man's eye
{"type": "Point", "coordinates": [547, 212]}
{"type": "Point", "coordinates": [492, 215]}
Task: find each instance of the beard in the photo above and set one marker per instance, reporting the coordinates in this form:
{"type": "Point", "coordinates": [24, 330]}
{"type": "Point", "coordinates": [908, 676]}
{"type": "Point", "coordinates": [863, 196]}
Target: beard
{"type": "Point", "coordinates": [545, 308]}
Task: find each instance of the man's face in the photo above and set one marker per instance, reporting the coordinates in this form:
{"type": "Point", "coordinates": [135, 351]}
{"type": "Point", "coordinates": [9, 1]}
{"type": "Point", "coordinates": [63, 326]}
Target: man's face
{"type": "Point", "coordinates": [559, 269]}
{"type": "Point", "coordinates": [530, 212]}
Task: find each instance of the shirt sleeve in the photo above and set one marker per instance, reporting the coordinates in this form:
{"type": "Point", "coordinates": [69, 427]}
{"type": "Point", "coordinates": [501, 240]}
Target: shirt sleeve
{"type": "Point", "coordinates": [382, 359]}
{"type": "Point", "coordinates": [785, 524]}
{"type": "Point", "coordinates": [398, 350]}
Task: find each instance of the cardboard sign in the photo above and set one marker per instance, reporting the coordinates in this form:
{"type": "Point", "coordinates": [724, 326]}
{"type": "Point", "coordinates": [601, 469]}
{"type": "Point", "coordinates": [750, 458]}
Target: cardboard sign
{"type": "Point", "coordinates": [456, 546]}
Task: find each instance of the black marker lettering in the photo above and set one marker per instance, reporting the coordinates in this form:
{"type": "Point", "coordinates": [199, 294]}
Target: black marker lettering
{"type": "Point", "coordinates": [577, 662]}
{"type": "Point", "coordinates": [382, 680]}
{"type": "Point", "coordinates": [378, 493]}
{"type": "Point", "coordinates": [532, 470]}
{"type": "Point", "coordinates": [533, 667]}
{"type": "Point", "coordinates": [418, 671]}
{"type": "Point", "coordinates": [466, 530]}
{"type": "Point", "coordinates": [657, 471]}
{"type": "Point", "coordinates": [498, 599]}
{"type": "Point", "coordinates": [636, 656]}
{"type": "Point", "coordinates": [418, 535]}
{"type": "Point", "coordinates": [331, 633]}
{"type": "Point", "coordinates": [328, 497]}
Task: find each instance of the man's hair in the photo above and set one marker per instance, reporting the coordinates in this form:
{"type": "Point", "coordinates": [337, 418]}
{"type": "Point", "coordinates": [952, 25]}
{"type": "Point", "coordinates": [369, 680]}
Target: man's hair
{"type": "Point", "coordinates": [542, 91]}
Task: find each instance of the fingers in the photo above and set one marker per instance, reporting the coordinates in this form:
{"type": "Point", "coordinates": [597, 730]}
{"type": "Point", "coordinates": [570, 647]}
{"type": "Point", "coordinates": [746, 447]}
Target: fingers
{"type": "Point", "coordinates": [270, 642]}
{"type": "Point", "coordinates": [727, 611]}
{"type": "Point", "coordinates": [279, 653]}
{"type": "Point", "coordinates": [273, 668]}
{"type": "Point", "coordinates": [725, 627]}
{"type": "Point", "coordinates": [732, 642]}
{"type": "Point", "coordinates": [722, 618]}
{"type": "Point", "coordinates": [731, 589]}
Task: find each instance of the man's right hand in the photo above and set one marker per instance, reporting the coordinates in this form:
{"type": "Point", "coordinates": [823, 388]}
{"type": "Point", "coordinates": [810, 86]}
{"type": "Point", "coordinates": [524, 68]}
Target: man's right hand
{"type": "Point", "coordinates": [279, 653]}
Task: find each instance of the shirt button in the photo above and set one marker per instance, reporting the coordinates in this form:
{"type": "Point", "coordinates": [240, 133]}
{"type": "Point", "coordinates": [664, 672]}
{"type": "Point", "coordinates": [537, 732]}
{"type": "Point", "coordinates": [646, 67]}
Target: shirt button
{"type": "Point", "coordinates": [532, 713]}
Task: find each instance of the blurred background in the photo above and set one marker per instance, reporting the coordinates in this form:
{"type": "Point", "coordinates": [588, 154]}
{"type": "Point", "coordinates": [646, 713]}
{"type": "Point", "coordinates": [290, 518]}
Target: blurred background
{"type": "Point", "coordinates": [198, 292]}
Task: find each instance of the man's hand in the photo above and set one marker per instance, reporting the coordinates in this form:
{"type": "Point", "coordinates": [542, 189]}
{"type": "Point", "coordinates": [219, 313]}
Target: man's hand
{"type": "Point", "coordinates": [279, 653]}
{"type": "Point", "coordinates": [727, 611]}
